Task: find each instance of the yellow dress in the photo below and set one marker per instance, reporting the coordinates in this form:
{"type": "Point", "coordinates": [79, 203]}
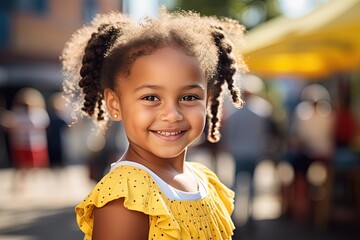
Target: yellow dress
{"type": "Point", "coordinates": [205, 218]}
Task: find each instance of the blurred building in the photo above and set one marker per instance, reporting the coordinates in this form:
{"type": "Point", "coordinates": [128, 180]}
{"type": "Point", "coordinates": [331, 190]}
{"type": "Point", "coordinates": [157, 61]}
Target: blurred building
{"type": "Point", "coordinates": [32, 36]}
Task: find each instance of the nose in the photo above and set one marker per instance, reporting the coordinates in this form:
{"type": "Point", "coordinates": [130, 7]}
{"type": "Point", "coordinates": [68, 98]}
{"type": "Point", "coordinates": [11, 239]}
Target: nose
{"type": "Point", "coordinates": [171, 113]}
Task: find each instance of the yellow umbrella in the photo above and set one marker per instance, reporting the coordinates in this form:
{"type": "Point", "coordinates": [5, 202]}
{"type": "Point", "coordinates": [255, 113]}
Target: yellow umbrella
{"type": "Point", "coordinates": [325, 41]}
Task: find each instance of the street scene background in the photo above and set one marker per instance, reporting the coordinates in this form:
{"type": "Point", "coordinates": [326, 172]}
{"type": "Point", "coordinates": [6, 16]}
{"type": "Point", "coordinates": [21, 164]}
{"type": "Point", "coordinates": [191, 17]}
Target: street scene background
{"type": "Point", "coordinates": [291, 154]}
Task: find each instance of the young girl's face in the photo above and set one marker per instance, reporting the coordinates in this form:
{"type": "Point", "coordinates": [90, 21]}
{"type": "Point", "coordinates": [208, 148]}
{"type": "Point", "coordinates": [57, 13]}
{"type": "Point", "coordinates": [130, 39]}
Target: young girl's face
{"type": "Point", "coordinates": [163, 102]}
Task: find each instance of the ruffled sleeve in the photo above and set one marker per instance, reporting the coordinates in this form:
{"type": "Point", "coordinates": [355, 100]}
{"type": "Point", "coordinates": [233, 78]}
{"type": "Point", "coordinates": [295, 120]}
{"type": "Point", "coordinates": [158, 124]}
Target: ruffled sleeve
{"type": "Point", "coordinates": [224, 194]}
{"type": "Point", "coordinates": [140, 193]}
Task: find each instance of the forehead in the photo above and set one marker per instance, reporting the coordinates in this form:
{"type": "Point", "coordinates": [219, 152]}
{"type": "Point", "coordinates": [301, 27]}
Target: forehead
{"type": "Point", "coordinates": [167, 56]}
{"type": "Point", "coordinates": [168, 64]}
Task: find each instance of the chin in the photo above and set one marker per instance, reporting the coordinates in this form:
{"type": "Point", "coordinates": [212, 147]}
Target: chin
{"type": "Point", "coordinates": [169, 153]}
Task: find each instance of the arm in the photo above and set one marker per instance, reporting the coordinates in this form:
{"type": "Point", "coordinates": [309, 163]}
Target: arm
{"type": "Point", "coordinates": [115, 222]}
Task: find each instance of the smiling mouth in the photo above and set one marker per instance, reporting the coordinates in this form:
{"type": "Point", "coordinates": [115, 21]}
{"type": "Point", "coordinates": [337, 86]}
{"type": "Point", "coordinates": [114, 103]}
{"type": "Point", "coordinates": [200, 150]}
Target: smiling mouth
{"type": "Point", "coordinates": [167, 134]}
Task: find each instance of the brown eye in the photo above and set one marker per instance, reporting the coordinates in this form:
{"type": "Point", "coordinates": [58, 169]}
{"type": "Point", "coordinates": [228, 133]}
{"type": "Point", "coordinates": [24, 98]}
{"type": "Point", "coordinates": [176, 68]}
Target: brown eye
{"type": "Point", "coordinates": [151, 98]}
{"type": "Point", "coordinates": [189, 98]}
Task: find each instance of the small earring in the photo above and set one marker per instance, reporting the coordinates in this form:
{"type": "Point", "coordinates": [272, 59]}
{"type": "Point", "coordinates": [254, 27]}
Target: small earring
{"type": "Point", "coordinates": [115, 115]}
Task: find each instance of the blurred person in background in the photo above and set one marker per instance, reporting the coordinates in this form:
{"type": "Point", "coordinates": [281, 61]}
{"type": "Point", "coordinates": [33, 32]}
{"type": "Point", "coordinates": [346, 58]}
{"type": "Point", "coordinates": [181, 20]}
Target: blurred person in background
{"type": "Point", "coordinates": [55, 130]}
{"type": "Point", "coordinates": [313, 138]}
{"type": "Point", "coordinates": [247, 136]}
{"type": "Point", "coordinates": [26, 124]}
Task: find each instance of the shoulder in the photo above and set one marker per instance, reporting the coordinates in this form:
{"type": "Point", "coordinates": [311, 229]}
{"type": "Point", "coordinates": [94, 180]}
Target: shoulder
{"type": "Point", "coordinates": [114, 221]}
{"type": "Point", "coordinates": [131, 187]}
{"type": "Point", "coordinates": [127, 182]}
{"type": "Point", "coordinates": [216, 188]}
{"type": "Point", "coordinates": [206, 173]}
{"type": "Point", "coordinates": [123, 181]}
{"type": "Point", "coordinates": [203, 171]}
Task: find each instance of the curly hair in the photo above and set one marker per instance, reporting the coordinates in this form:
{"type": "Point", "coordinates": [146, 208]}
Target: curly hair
{"type": "Point", "coordinates": [98, 53]}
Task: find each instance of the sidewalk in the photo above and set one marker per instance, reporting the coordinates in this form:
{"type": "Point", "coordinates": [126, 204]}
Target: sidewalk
{"type": "Point", "coordinates": [43, 195]}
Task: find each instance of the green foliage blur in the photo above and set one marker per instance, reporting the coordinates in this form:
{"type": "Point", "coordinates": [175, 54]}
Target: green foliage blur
{"type": "Point", "coordinates": [248, 12]}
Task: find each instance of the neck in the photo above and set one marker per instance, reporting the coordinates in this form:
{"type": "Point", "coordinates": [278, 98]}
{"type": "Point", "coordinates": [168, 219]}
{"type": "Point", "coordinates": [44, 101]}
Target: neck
{"type": "Point", "coordinates": [136, 154]}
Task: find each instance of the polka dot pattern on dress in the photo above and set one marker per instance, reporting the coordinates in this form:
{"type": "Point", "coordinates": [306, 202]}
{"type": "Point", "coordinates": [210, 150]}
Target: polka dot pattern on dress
{"type": "Point", "coordinates": [205, 218]}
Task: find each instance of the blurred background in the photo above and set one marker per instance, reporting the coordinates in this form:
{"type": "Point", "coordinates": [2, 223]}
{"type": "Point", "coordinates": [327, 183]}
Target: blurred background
{"type": "Point", "coordinates": [292, 154]}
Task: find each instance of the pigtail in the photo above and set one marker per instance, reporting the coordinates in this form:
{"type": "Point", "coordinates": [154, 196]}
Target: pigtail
{"type": "Point", "coordinates": [83, 58]}
{"type": "Point", "coordinates": [225, 71]}
{"type": "Point", "coordinates": [90, 72]}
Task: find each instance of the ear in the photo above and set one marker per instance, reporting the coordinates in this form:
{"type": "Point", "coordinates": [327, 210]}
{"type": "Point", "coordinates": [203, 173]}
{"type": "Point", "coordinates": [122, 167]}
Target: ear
{"type": "Point", "coordinates": [113, 104]}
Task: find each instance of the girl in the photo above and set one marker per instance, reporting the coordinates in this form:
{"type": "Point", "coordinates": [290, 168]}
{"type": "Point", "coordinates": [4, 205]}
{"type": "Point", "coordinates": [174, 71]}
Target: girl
{"type": "Point", "coordinates": [160, 78]}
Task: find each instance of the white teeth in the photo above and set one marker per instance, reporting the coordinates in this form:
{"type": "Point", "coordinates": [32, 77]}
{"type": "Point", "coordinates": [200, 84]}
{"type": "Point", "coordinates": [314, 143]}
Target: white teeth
{"type": "Point", "coordinates": [168, 133]}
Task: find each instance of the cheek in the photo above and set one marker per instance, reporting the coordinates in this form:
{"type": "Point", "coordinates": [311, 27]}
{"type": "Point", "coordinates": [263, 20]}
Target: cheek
{"type": "Point", "coordinates": [134, 117]}
{"type": "Point", "coordinates": [197, 117]}
{"type": "Point", "coordinates": [142, 117]}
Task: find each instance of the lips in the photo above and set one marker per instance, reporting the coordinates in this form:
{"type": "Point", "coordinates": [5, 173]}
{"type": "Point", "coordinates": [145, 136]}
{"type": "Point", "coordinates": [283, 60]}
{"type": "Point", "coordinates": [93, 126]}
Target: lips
{"type": "Point", "coordinates": [163, 133]}
{"type": "Point", "coordinates": [169, 135]}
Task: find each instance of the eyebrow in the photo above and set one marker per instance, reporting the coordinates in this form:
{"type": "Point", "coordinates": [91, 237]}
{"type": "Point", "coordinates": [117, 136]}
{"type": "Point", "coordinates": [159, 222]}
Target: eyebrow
{"type": "Point", "coordinates": [192, 86]}
{"type": "Point", "coordinates": [156, 87]}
